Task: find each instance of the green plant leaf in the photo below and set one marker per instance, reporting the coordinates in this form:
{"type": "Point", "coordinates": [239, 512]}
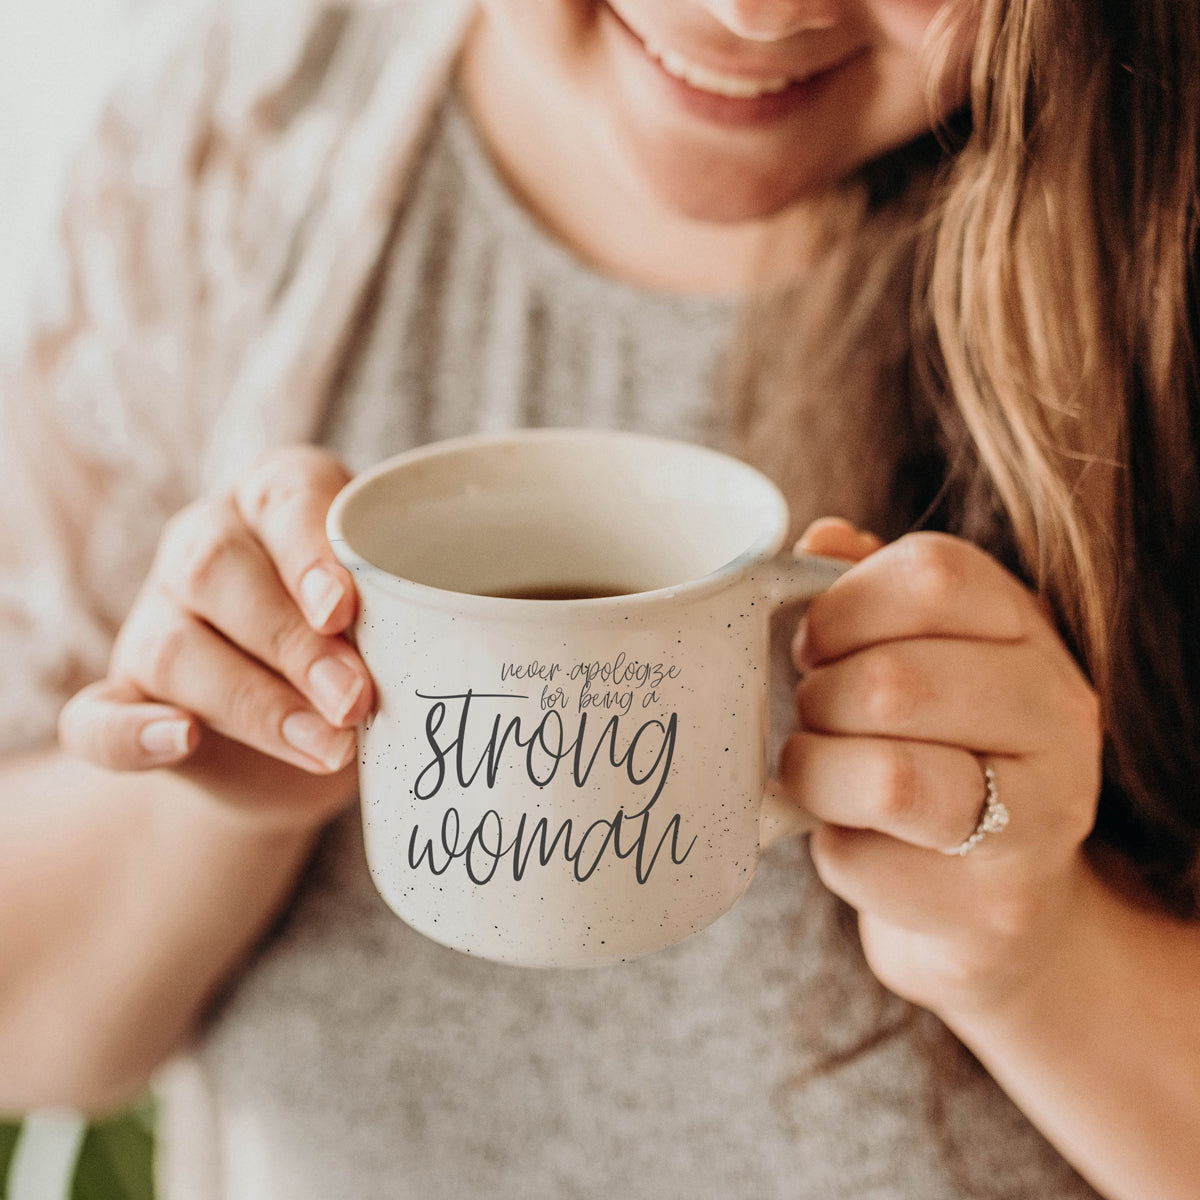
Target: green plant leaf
{"type": "Point", "coordinates": [9, 1132]}
{"type": "Point", "coordinates": [116, 1160]}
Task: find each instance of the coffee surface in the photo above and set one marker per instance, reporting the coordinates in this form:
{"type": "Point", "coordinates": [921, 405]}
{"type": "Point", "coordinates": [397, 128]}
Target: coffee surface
{"type": "Point", "coordinates": [565, 591]}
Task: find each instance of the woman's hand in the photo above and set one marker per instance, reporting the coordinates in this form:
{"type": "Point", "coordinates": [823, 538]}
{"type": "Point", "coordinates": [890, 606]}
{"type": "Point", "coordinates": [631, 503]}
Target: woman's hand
{"type": "Point", "coordinates": [922, 665]}
{"type": "Point", "coordinates": [231, 666]}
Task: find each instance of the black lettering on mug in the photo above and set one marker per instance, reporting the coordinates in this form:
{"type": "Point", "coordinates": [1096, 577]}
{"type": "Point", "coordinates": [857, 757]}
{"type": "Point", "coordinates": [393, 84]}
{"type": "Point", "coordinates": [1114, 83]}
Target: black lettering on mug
{"type": "Point", "coordinates": [645, 760]}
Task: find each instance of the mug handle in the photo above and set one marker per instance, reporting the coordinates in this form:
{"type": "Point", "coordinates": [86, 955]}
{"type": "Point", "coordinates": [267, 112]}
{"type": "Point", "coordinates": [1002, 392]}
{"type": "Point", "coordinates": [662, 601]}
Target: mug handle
{"type": "Point", "coordinates": [784, 580]}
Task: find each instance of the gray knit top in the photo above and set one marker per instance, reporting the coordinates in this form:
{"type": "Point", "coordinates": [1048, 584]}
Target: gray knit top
{"type": "Point", "coordinates": [354, 1058]}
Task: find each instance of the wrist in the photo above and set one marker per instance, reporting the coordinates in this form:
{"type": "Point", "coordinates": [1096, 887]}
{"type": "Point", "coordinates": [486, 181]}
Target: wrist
{"type": "Point", "coordinates": [180, 815]}
{"type": "Point", "coordinates": [1099, 1045]}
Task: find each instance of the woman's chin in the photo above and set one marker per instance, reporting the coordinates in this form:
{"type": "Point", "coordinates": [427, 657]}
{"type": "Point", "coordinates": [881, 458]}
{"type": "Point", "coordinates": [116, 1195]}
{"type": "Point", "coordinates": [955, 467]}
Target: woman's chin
{"type": "Point", "coordinates": [723, 192]}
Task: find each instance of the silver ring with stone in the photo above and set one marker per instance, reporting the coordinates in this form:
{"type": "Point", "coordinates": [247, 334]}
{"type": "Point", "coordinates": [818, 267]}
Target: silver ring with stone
{"type": "Point", "coordinates": [993, 817]}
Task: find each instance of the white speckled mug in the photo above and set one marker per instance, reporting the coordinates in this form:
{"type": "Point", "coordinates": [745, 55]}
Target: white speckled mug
{"type": "Point", "coordinates": [581, 779]}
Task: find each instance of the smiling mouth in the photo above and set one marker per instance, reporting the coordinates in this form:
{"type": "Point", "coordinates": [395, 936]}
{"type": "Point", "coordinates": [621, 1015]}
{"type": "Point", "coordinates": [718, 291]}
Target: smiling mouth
{"type": "Point", "coordinates": [716, 83]}
{"type": "Point", "coordinates": [729, 95]}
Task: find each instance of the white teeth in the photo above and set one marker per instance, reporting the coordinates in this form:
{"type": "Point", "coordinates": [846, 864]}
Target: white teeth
{"type": "Point", "coordinates": [736, 87]}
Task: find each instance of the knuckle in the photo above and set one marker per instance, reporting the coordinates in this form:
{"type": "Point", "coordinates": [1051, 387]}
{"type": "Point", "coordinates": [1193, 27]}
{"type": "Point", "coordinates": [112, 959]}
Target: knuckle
{"type": "Point", "coordinates": [198, 547]}
{"type": "Point", "coordinates": [287, 646]}
{"type": "Point", "coordinates": [156, 657]}
{"type": "Point", "coordinates": [270, 491]}
{"type": "Point", "coordinates": [935, 570]}
{"type": "Point", "coordinates": [891, 690]}
{"type": "Point", "coordinates": [288, 477]}
{"type": "Point", "coordinates": [204, 560]}
{"type": "Point", "coordinates": [247, 707]}
{"type": "Point", "coordinates": [206, 557]}
{"type": "Point", "coordinates": [899, 790]}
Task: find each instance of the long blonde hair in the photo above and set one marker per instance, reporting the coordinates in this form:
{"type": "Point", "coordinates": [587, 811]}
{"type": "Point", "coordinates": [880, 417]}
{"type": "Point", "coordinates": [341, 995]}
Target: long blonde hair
{"type": "Point", "coordinates": [1039, 267]}
{"type": "Point", "coordinates": [1063, 296]}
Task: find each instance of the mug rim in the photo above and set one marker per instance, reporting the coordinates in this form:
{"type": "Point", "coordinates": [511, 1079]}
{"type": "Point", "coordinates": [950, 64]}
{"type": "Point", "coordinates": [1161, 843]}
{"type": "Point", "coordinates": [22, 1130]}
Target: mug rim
{"type": "Point", "coordinates": [761, 550]}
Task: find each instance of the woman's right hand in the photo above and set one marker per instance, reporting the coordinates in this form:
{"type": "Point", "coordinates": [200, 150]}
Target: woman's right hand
{"type": "Point", "coordinates": [231, 667]}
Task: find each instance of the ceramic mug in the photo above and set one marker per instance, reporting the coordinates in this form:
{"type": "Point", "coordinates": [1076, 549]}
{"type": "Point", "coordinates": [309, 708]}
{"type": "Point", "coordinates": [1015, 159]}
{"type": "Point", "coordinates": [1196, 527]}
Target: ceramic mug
{"type": "Point", "coordinates": [568, 633]}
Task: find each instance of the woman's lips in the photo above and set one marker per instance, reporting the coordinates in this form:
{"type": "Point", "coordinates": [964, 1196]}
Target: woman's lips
{"type": "Point", "coordinates": [722, 96]}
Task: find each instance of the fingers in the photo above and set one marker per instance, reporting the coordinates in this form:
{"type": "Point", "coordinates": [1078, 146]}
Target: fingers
{"type": "Point", "coordinates": [833, 537]}
{"type": "Point", "coordinates": [924, 794]}
{"type": "Point", "coordinates": [986, 697]}
{"type": "Point", "coordinates": [917, 891]}
{"type": "Point", "coordinates": [238, 628]}
{"type": "Point", "coordinates": [213, 568]}
{"type": "Point", "coordinates": [924, 585]}
{"type": "Point", "coordinates": [284, 504]}
{"type": "Point", "coordinates": [166, 652]}
{"type": "Point", "coordinates": [922, 660]}
{"type": "Point", "coordinates": [115, 725]}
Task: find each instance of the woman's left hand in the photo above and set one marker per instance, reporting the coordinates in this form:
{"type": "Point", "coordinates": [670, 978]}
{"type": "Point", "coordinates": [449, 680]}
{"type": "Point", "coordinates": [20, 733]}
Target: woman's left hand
{"type": "Point", "coordinates": [921, 666]}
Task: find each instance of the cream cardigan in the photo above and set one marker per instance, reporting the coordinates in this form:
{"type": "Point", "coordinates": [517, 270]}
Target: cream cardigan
{"type": "Point", "coordinates": [218, 234]}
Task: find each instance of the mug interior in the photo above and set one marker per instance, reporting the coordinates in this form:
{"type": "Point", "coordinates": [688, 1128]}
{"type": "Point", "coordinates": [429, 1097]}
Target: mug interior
{"type": "Point", "coordinates": [558, 508]}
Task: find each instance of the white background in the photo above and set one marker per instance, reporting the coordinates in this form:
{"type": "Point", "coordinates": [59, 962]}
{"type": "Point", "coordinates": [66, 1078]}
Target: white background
{"type": "Point", "coordinates": [57, 58]}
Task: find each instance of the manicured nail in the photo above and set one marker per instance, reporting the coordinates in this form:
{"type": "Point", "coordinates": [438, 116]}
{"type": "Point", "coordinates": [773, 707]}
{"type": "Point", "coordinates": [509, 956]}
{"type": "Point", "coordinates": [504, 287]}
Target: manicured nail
{"type": "Point", "coordinates": [308, 733]}
{"type": "Point", "coordinates": [336, 686]}
{"type": "Point", "coordinates": [322, 592]}
{"type": "Point", "coordinates": [165, 741]}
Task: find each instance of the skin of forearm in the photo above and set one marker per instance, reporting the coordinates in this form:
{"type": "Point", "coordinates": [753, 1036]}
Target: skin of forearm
{"type": "Point", "coordinates": [125, 901]}
{"type": "Point", "coordinates": [1103, 1053]}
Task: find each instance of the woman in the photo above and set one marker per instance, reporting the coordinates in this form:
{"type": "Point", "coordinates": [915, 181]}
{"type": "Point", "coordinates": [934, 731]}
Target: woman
{"type": "Point", "coordinates": [343, 230]}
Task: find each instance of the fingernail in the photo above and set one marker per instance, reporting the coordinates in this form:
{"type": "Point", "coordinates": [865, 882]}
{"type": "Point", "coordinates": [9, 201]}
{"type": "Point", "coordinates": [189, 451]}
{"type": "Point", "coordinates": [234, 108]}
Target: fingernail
{"type": "Point", "coordinates": [308, 733]}
{"type": "Point", "coordinates": [165, 741]}
{"type": "Point", "coordinates": [322, 592]}
{"type": "Point", "coordinates": [336, 686]}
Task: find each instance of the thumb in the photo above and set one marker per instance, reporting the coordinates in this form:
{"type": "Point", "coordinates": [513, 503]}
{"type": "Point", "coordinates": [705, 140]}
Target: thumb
{"type": "Point", "coordinates": [113, 724]}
